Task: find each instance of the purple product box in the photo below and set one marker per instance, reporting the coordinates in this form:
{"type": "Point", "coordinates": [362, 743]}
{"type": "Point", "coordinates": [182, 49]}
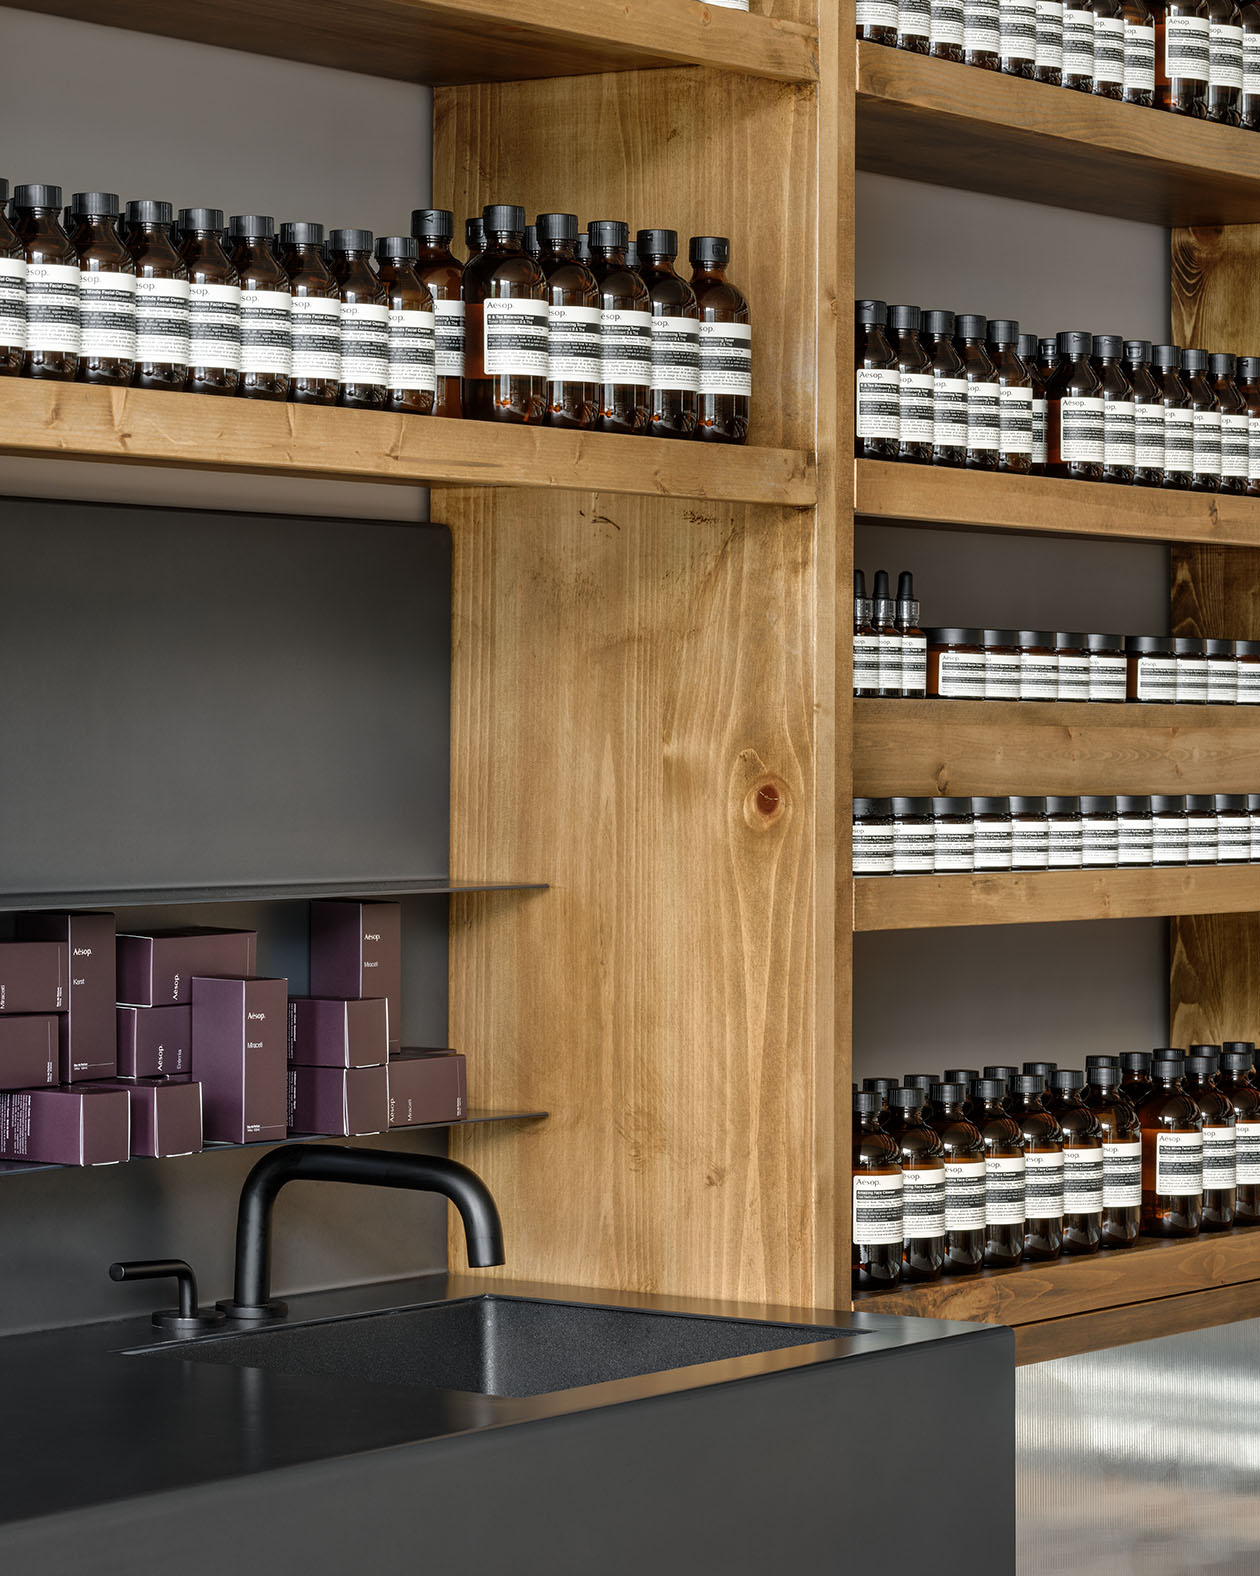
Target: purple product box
{"type": "Point", "coordinates": [324, 1032]}
{"type": "Point", "coordinates": [165, 1117]}
{"type": "Point", "coordinates": [66, 1127]}
{"type": "Point", "coordinates": [33, 976]}
{"type": "Point", "coordinates": [356, 952]}
{"type": "Point", "coordinates": [154, 1042]}
{"type": "Point", "coordinates": [87, 1043]}
{"type": "Point", "coordinates": [157, 970]}
{"type": "Point", "coordinates": [344, 1101]}
{"type": "Point", "coordinates": [427, 1086]}
{"type": "Point", "coordinates": [29, 1054]}
{"type": "Point", "coordinates": [238, 1056]}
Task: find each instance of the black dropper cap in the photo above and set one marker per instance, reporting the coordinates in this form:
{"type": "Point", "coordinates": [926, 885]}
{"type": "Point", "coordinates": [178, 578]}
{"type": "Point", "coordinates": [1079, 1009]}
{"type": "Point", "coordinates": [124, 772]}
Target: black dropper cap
{"type": "Point", "coordinates": [350, 240]}
{"type": "Point", "coordinates": [94, 205]}
{"type": "Point", "coordinates": [1004, 1073]}
{"type": "Point", "coordinates": [557, 227]}
{"type": "Point", "coordinates": [1028, 1083]}
{"type": "Point", "coordinates": [881, 596]}
{"type": "Point", "coordinates": [859, 593]}
{"type": "Point", "coordinates": [37, 197]}
{"type": "Point", "coordinates": [1068, 1079]}
{"type": "Point", "coordinates": [709, 251]}
{"type": "Point", "coordinates": [1137, 350]}
{"type": "Point", "coordinates": [657, 243]}
{"type": "Point", "coordinates": [249, 226]}
{"type": "Point", "coordinates": [201, 219]}
{"type": "Point", "coordinates": [1136, 1061]}
{"type": "Point", "coordinates": [905, 586]}
{"type": "Point", "coordinates": [971, 325]}
{"type": "Point", "coordinates": [905, 319]}
{"type": "Point", "coordinates": [1075, 342]}
{"type": "Point", "coordinates": [873, 314]}
{"type": "Point", "coordinates": [1040, 1069]}
{"type": "Point", "coordinates": [948, 1093]}
{"type": "Point", "coordinates": [1003, 331]}
{"type": "Point", "coordinates": [433, 224]}
{"type": "Point", "coordinates": [935, 322]}
{"type": "Point", "coordinates": [903, 1099]}
{"type": "Point", "coordinates": [390, 248]}
{"type": "Point", "coordinates": [866, 1102]}
{"type": "Point", "coordinates": [301, 235]}
{"type": "Point", "coordinates": [150, 213]}
{"type": "Point", "coordinates": [989, 1089]}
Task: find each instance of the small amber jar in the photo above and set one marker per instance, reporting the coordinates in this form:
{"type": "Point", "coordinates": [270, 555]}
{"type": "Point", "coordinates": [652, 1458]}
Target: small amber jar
{"type": "Point", "coordinates": [1170, 830]}
{"type": "Point", "coordinates": [1063, 817]}
{"type": "Point", "coordinates": [1190, 654]}
{"type": "Point", "coordinates": [1152, 676]}
{"type": "Point", "coordinates": [1001, 664]}
{"type": "Point", "coordinates": [1247, 654]}
{"type": "Point", "coordinates": [956, 663]}
{"type": "Point", "coordinates": [1135, 831]}
{"type": "Point", "coordinates": [1100, 833]}
{"type": "Point", "coordinates": [1072, 647]}
{"type": "Point", "coordinates": [991, 818]}
{"type": "Point", "coordinates": [1108, 670]}
{"type": "Point", "coordinates": [1038, 665]}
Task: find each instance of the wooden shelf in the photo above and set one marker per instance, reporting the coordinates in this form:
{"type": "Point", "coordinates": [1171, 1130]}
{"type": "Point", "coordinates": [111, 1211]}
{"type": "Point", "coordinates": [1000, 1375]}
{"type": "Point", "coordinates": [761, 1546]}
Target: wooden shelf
{"type": "Point", "coordinates": [982, 500]}
{"type": "Point", "coordinates": [456, 41]}
{"type": "Point", "coordinates": [1052, 897]}
{"type": "Point", "coordinates": [142, 427]}
{"type": "Point", "coordinates": [1033, 747]}
{"type": "Point", "coordinates": [1084, 1304]}
{"type": "Point", "coordinates": [952, 125]}
{"type": "Point", "coordinates": [255, 892]}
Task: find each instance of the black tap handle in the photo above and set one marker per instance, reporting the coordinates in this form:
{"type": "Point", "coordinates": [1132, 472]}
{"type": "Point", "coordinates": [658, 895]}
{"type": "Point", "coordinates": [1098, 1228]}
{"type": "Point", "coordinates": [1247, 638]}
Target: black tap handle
{"type": "Point", "coordinates": [161, 1269]}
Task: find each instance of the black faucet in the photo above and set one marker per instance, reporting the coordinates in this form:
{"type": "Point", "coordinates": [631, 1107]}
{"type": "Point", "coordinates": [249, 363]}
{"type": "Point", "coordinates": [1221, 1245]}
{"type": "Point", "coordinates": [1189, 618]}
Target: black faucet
{"type": "Point", "coordinates": [375, 1168]}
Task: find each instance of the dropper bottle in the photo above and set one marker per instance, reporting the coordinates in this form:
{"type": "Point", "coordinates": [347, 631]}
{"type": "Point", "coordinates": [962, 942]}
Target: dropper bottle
{"type": "Point", "coordinates": [913, 640]}
{"type": "Point", "coordinates": [884, 619]}
{"type": "Point", "coordinates": [865, 641]}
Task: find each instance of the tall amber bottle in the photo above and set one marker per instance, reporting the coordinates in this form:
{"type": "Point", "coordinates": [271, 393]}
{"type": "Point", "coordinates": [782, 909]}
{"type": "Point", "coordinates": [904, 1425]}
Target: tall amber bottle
{"type": "Point", "coordinates": [107, 291]}
{"type": "Point", "coordinates": [1222, 370]}
{"type": "Point", "coordinates": [1015, 398]}
{"type": "Point", "coordinates": [877, 1198]}
{"type": "Point", "coordinates": [214, 304]}
{"type": "Point", "coordinates": [1205, 412]}
{"type": "Point", "coordinates": [573, 353]}
{"type": "Point", "coordinates": [1121, 1157]}
{"type": "Point", "coordinates": [1043, 1167]}
{"type": "Point", "coordinates": [1249, 387]}
{"type": "Point", "coordinates": [410, 380]}
{"type": "Point", "coordinates": [964, 1179]}
{"type": "Point", "coordinates": [949, 389]}
{"type": "Point", "coordinates": [674, 391]}
{"type": "Point", "coordinates": [1082, 1162]}
{"type": "Point", "coordinates": [12, 293]}
{"type": "Point", "coordinates": [876, 399]}
{"type": "Point", "coordinates": [1075, 413]}
{"type": "Point", "coordinates": [1004, 1174]}
{"type": "Point", "coordinates": [506, 315]}
{"type": "Point", "coordinates": [1139, 52]}
{"type": "Point", "coordinates": [1148, 414]}
{"type": "Point", "coordinates": [923, 1185]}
{"type": "Point", "coordinates": [914, 386]}
{"type": "Point", "coordinates": [1028, 355]}
{"type": "Point", "coordinates": [725, 408]}
{"type": "Point", "coordinates": [442, 276]}
{"type": "Point", "coordinates": [52, 285]}
{"type": "Point", "coordinates": [364, 321]}
{"type": "Point", "coordinates": [1118, 412]}
{"type": "Point", "coordinates": [625, 332]}
{"type": "Point", "coordinates": [1178, 417]}
{"type": "Point", "coordinates": [266, 309]}
{"type": "Point", "coordinates": [161, 297]}
{"type": "Point", "coordinates": [316, 321]}
{"type": "Point", "coordinates": [1225, 63]}
{"type": "Point", "coordinates": [1135, 1076]}
{"type": "Point", "coordinates": [984, 431]}
{"type": "Point", "coordinates": [1220, 1165]}
{"type": "Point", "coordinates": [1182, 57]}
{"type": "Point", "coordinates": [1235, 1081]}
{"type": "Point", "coordinates": [1172, 1155]}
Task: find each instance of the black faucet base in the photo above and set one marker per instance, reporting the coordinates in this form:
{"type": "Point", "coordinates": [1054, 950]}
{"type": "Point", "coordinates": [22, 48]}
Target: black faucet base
{"type": "Point", "coordinates": [252, 1313]}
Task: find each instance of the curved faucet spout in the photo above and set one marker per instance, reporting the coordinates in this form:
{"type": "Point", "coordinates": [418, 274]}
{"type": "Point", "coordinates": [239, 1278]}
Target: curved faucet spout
{"type": "Point", "coordinates": [373, 1168]}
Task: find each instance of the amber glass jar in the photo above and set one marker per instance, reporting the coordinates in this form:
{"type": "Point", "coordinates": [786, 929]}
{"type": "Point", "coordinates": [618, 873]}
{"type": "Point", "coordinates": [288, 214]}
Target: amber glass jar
{"type": "Point", "coordinates": [964, 1179]}
{"type": "Point", "coordinates": [877, 1198]}
{"type": "Point", "coordinates": [1152, 675]}
{"type": "Point", "coordinates": [1172, 1155]}
{"type": "Point", "coordinates": [1121, 1157]}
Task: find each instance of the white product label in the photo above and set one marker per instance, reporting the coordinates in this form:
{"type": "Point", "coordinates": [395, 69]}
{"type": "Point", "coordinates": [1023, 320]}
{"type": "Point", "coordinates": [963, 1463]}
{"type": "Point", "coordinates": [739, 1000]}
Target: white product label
{"type": "Point", "coordinates": [1222, 681]}
{"type": "Point", "coordinates": [1219, 1157]}
{"type": "Point", "coordinates": [1234, 445]}
{"type": "Point", "coordinates": [448, 327]}
{"type": "Point", "coordinates": [1207, 443]}
{"type": "Point", "coordinates": [1186, 48]}
{"type": "Point", "coordinates": [1039, 675]}
{"type": "Point", "coordinates": [965, 1192]}
{"type": "Point", "coordinates": [981, 33]}
{"type": "Point", "coordinates": [947, 22]}
{"type": "Point", "coordinates": [1233, 837]}
{"type": "Point", "coordinates": [267, 332]}
{"type": "Point", "coordinates": [1178, 441]}
{"type": "Point", "coordinates": [1248, 681]}
{"type": "Point", "coordinates": [1082, 1180]}
{"type": "Point", "coordinates": [1039, 431]}
{"type": "Point", "coordinates": [872, 849]}
{"type": "Point", "coordinates": [914, 19]}
{"type": "Point", "coordinates": [514, 341]}
{"type": "Point", "coordinates": [1030, 843]}
{"type": "Point", "coordinates": [1201, 839]}
{"type": "Point", "coordinates": [1247, 1149]}
{"type": "Point", "coordinates": [914, 665]}
{"type": "Point", "coordinates": [316, 324]}
{"type": "Point", "coordinates": [1118, 433]}
{"type": "Point", "coordinates": [214, 326]}
{"type": "Point", "coordinates": [984, 423]}
{"type": "Point", "coordinates": [890, 664]}
{"type": "Point", "coordinates": [1100, 840]}
{"type": "Point", "coordinates": [365, 342]}
{"type": "Point", "coordinates": [52, 307]}
{"type": "Point", "coordinates": [675, 351]}
{"type": "Point", "coordinates": [1015, 421]}
{"type": "Point", "coordinates": [1253, 422]}
{"type": "Point", "coordinates": [1004, 1190]}
{"type": "Point", "coordinates": [949, 413]}
{"type": "Point", "coordinates": [1136, 839]}
{"type": "Point", "coordinates": [1049, 35]}
{"type": "Point", "coordinates": [1108, 676]}
{"type": "Point", "coordinates": [1192, 679]}
{"type": "Point", "coordinates": [914, 848]}
{"type": "Point", "coordinates": [162, 321]}
{"type": "Point", "coordinates": [955, 847]}
{"type": "Point", "coordinates": [13, 303]}
{"type": "Point", "coordinates": [878, 402]}
{"type": "Point", "coordinates": [876, 13]}
{"type": "Point", "coordinates": [1225, 56]}
{"type": "Point", "coordinates": [915, 404]}
{"type": "Point", "coordinates": [1170, 836]}
{"type": "Point", "coordinates": [1043, 1185]}
{"type": "Point", "coordinates": [866, 662]}
{"type": "Point", "coordinates": [1065, 842]}
{"type": "Point", "coordinates": [1081, 426]}
{"type": "Point", "coordinates": [1251, 64]}
{"type": "Point", "coordinates": [1018, 28]}
{"type": "Point", "coordinates": [1073, 675]}
{"type": "Point", "coordinates": [731, 5]}
{"type": "Point", "coordinates": [1179, 1164]}
{"type": "Point", "coordinates": [1148, 437]}
{"type": "Point", "coordinates": [1139, 59]}
{"type": "Point", "coordinates": [923, 1201]}
{"type": "Point", "coordinates": [1156, 678]}
{"type": "Point", "coordinates": [1254, 817]}
{"type": "Point", "coordinates": [877, 1209]}
{"type": "Point", "coordinates": [1122, 1174]}
{"type": "Point", "coordinates": [725, 359]}
{"type": "Point", "coordinates": [1002, 670]}
{"type": "Point", "coordinates": [411, 353]}
{"type": "Point", "coordinates": [993, 843]}
{"type": "Point", "coordinates": [1078, 43]}
{"type": "Point", "coordinates": [1109, 51]}
{"type": "Point", "coordinates": [107, 308]}
{"type": "Point", "coordinates": [961, 675]}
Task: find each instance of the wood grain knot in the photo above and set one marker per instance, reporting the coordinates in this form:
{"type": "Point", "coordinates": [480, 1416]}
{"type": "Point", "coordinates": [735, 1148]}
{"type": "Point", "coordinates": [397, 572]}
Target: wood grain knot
{"type": "Point", "coordinates": [766, 803]}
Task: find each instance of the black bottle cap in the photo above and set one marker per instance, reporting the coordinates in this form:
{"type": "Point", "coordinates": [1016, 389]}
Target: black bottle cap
{"type": "Point", "coordinates": [1200, 1066]}
{"type": "Point", "coordinates": [881, 1085]}
{"type": "Point", "coordinates": [250, 226]}
{"type": "Point", "coordinates": [396, 246]}
{"type": "Point", "coordinates": [902, 1099]}
{"type": "Point", "coordinates": [709, 251]}
{"type": "Point", "coordinates": [1104, 1076]}
{"type": "Point", "coordinates": [432, 224]}
{"type": "Point", "coordinates": [938, 323]}
{"type": "Point", "coordinates": [350, 240]}
{"type": "Point", "coordinates": [301, 234]}
{"type": "Point", "coordinates": [1188, 646]}
{"type": "Point", "coordinates": [1040, 1069]}
{"type": "Point", "coordinates": [37, 197]}
{"type": "Point", "coordinates": [1062, 804]}
{"type": "Point", "coordinates": [866, 1102]}
{"type": "Point", "coordinates": [1163, 803]}
{"type": "Point", "coordinates": [1097, 804]}
{"type": "Point", "coordinates": [989, 805]}
{"type": "Point", "coordinates": [557, 226]}
{"type": "Point", "coordinates": [1002, 331]}
{"type": "Point", "coordinates": [1219, 648]}
{"type": "Point", "coordinates": [1004, 1073]}
{"type": "Point", "coordinates": [94, 205]}
{"type": "Point", "coordinates": [1108, 344]}
{"type": "Point", "coordinates": [1238, 1047]}
{"type": "Point", "coordinates": [503, 216]}
{"type": "Point", "coordinates": [1075, 342]}
{"type": "Point", "coordinates": [1028, 1083]}
{"type": "Point", "coordinates": [1201, 803]}
{"type": "Point", "coordinates": [989, 1089]}
{"type": "Point", "coordinates": [1028, 804]}
{"type": "Point", "coordinates": [1204, 1048]}
{"type": "Point", "coordinates": [872, 313]}
{"type": "Point", "coordinates": [1194, 360]}
{"type": "Point", "coordinates": [200, 219]}
{"type": "Point", "coordinates": [1137, 350]}
{"type": "Point", "coordinates": [657, 243]}
{"type": "Point", "coordinates": [971, 325]}
{"type": "Point", "coordinates": [946, 805]}
{"type": "Point", "coordinates": [961, 1074]}
{"type": "Point", "coordinates": [4, 189]}
{"type": "Point", "coordinates": [1237, 1061]}
{"type": "Point", "coordinates": [1221, 364]}
{"type": "Point", "coordinates": [1166, 357]}
{"type": "Point", "coordinates": [1048, 347]}
{"type": "Point", "coordinates": [1001, 637]}
{"type": "Point", "coordinates": [1151, 645]}
{"type": "Point", "coordinates": [608, 232]}
{"type": "Point", "coordinates": [150, 213]}
{"type": "Point", "coordinates": [1028, 347]}
{"type": "Point", "coordinates": [474, 233]}
{"type": "Point", "coordinates": [1133, 804]}
{"type": "Point", "coordinates": [1249, 368]}
{"type": "Point", "coordinates": [1070, 639]}
{"type": "Point", "coordinates": [1136, 1061]}
{"type": "Point", "coordinates": [1034, 637]}
{"type": "Point", "coordinates": [905, 319]}
{"type": "Point", "coordinates": [902, 806]}
{"type": "Point", "coordinates": [868, 807]}
{"type": "Point", "coordinates": [1168, 1053]}
{"type": "Point", "coordinates": [1102, 1061]}
{"type": "Point", "coordinates": [1105, 642]}
{"type": "Point", "coordinates": [947, 1093]}
{"type": "Point", "coordinates": [905, 586]}
{"type": "Point", "coordinates": [921, 1081]}
{"type": "Point", "coordinates": [955, 635]}
{"type": "Point", "coordinates": [1068, 1078]}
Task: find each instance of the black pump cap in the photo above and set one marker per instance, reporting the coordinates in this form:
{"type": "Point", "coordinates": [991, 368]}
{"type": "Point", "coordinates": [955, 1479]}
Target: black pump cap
{"type": "Point", "coordinates": [989, 1089]}
{"type": "Point", "coordinates": [1249, 368]}
{"type": "Point", "coordinates": [1166, 357]}
{"type": "Point", "coordinates": [503, 216]}
{"type": "Point", "coordinates": [709, 251]}
{"type": "Point", "coordinates": [1040, 1069]}
{"type": "Point", "coordinates": [880, 1085]}
{"type": "Point", "coordinates": [872, 313]}
{"type": "Point", "coordinates": [902, 1099]}
{"type": "Point", "coordinates": [1200, 1066]}
{"type": "Point", "coordinates": [866, 1102]}
{"type": "Point", "coordinates": [1136, 1061]}
{"type": "Point", "coordinates": [1028, 1083]}
{"type": "Point", "coordinates": [608, 232]}
{"type": "Point", "coordinates": [38, 197]}
{"type": "Point", "coordinates": [1027, 347]}
{"type": "Point", "coordinates": [971, 325]}
{"type": "Point", "coordinates": [432, 224]}
{"type": "Point", "coordinates": [301, 234]}
{"type": "Point", "coordinates": [557, 227]}
{"type": "Point", "coordinates": [1108, 344]}
{"type": "Point", "coordinates": [200, 219]}
{"type": "Point", "coordinates": [948, 1093]}
{"type": "Point", "coordinates": [1137, 350]}
{"type": "Point", "coordinates": [474, 232]}
{"type": "Point", "coordinates": [389, 247]}
{"type": "Point", "coordinates": [1075, 342]}
{"type": "Point", "coordinates": [657, 243]}
{"type": "Point", "coordinates": [150, 213]}
{"type": "Point", "coordinates": [935, 322]}
{"type": "Point", "coordinates": [1194, 360]}
{"type": "Point", "coordinates": [920, 1081]}
{"type": "Point", "coordinates": [905, 586]}
{"type": "Point", "coordinates": [1003, 331]}
{"type": "Point", "coordinates": [94, 205]}
{"type": "Point", "coordinates": [250, 226]}
{"type": "Point", "coordinates": [961, 1074]}
{"type": "Point", "coordinates": [1237, 1061]}
{"type": "Point", "coordinates": [350, 240]}
{"type": "Point", "coordinates": [905, 319]}
{"type": "Point", "coordinates": [1222, 365]}
{"type": "Point", "coordinates": [1068, 1078]}
{"type": "Point", "coordinates": [1004, 1073]}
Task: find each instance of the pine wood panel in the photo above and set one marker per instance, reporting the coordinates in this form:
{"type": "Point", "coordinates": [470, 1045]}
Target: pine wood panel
{"type": "Point", "coordinates": [979, 500]}
{"type": "Point", "coordinates": [144, 427]}
{"type": "Point", "coordinates": [1050, 897]}
{"type": "Point", "coordinates": [951, 125]}
{"type": "Point", "coordinates": [1213, 279]}
{"type": "Point", "coordinates": [1095, 1332]}
{"type": "Point", "coordinates": [1034, 747]}
{"type": "Point", "coordinates": [450, 41]}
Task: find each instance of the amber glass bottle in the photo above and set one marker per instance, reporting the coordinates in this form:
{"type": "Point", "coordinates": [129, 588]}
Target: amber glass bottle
{"type": "Point", "coordinates": [12, 293]}
{"type": "Point", "coordinates": [914, 386]}
{"type": "Point", "coordinates": [1249, 387]}
{"type": "Point", "coordinates": [364, 321]}
{"type": "Point", "coordinates": [1043, 1167]}
{"type": "Point", "coordinates": [1082, 1162]}
{"type": "Point", "coordinates": [1148, 414]}
{"type": "Point", "coordinates": [1108, 48]}
{"type": "Point", "coordinates": [983, 395]}
{"type": "Point", "coordinates": [1236, 1081]}
{"type": "Point", "coordinates": [214, 304]}
{"type": "Point", "coordinates": [1172, 1155]}
{"type": "Point", "coordinates": [949, 388]}
{"type": "Point", "coordinates": [1206, 418]}
{"type": "Point", "coordinates": [1121, 1157]}
{"type": "Point", "coordinates": [1004, 1174]}
{"type": "Point", "coordinates": [475, 238]}
{"type": "Point", "coordinates": [1028, 355]}
{"type": "Point", "coordinates": [1249, 103]}
{"type": "Point", "coordinates": [1178, 417]}
{"type": "Point", "coordinates": [266, 309]}
{"type": "Point", "coordinates": [675, 387]}
{"type": "Point", "coordinates": [1015, 398]}
{"type": "Point", "coordinates": [505, 344]}
{"type": "Point", "coordinates": [625, 332]}
{"type": "Point", "coordinates": [1135, 1076]}
{"type": "Point", "coordinates": [1182, 56]}
{"type": "Point", "coordinates": [107, 298]}
{"type": "Point", "coordinates": [573, 356]}
{"type": "Point", "coordinates": [725, 408]}
{"type": "Point", "coordinates": [52, 285]}
{"type": "Point", "coordinates": [1222, 374]}
{"type": "Point", "coordinates": [442, 276]}
{"type": "Point", "coordinates": [1118, 413]}
{"type": "Point", "coordinates": [1075, 413]}
{"type": "Point", "coordinates": [965, 1076]}
{"type": "Point", "coordinates": [1139, 52]}
{"type": "Point", "coordinates": [964, 1179]}
{"type": "Point", "coordinates": [876, 394]}
{"type": "Point", "coordinates": [923, 1185]}
{"type": "Point", "coordinates": [877, 1198]}
{"type": "Point", "coordinates": [410, 379]}
{"type": "Point", "coordinates": [161, 297]}
{"type": "Point", "coordinates": [1225, 66]}
{"type": "Point", "coordinates": [316, 309]}
{"type": "Point", "coordinates": [1220, 1173]}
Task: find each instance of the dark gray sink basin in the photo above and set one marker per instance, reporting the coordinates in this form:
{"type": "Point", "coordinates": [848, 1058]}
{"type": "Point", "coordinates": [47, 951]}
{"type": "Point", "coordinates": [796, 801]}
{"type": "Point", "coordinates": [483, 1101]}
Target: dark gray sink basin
{"type": "Point", "coordinates": [503, 1346]}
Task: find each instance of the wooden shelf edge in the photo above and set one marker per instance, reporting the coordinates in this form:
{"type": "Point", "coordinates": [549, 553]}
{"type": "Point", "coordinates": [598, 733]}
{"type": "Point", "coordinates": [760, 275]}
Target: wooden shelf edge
{"type": "Point", "coordinates": [1074, 1334]}
{"type": "Point", "coordinates": [143, 427]}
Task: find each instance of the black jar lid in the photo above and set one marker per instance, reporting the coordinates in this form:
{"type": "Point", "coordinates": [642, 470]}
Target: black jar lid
{"type": "Point", "coordinates": [1188, 646]}
{"type": "Point", "coordinates": [1098, 804]}
{"type": "Point", "coordinates": [1035, 637]}
{"type": "Point", "coordinates": [950, 806]}
{"type": "Point", "coordinates": [905, 319]}
{"type": "Point", "coordinates": [866, 809]}
{"type": "Point", "coordinates": [1234, 803]}
{"type": "Point", "coordinates": [1247, 648]}
{"type": "Point", "coordinates": [1075, 342]}
{"type": "Point", "coordinates": [902, 806]}
{"type": "Point", "coordinates": [1105, 642]}
{"type": "Point", "coordinates": [938, 322]}
{"type": "Point", "coordinates": [1001, 637]}
{"type": "Point", "coordinates": [1028, 804]}
{"type": "Point", "coordinates": [872, 313]}
{"type": "Point", "coordinates": [1200, 804]}
{"type": "Point", "coordinates": [1149, 645]}
{"type": "Point", "coordinates": [1133, 804]}
{"type": "Point", "coordinates": [1071, 639]}
{"type": "Point", "coordinates": [1219, 648]}
{"type": "Point", "coordinates": [1168, 804]}
{"type": "Point", "coordinates": [988, 804]}
{"type": "Point", "coordinates": [955, 635]}
{"type": "Point", "coordinates": [1062, 804]}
